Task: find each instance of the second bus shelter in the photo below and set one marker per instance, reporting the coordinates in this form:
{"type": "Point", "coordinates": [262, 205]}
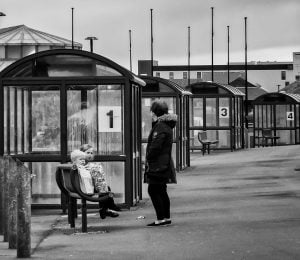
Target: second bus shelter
{"type": "Point", "coordinates": [177, 99]}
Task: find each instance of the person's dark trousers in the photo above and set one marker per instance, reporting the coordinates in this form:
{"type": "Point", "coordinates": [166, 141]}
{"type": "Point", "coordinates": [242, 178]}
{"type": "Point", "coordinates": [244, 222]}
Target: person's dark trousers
{"type": "Point", "coordinates": [160, 200]}
{"type": "Point", "coordinates": [107, 204]}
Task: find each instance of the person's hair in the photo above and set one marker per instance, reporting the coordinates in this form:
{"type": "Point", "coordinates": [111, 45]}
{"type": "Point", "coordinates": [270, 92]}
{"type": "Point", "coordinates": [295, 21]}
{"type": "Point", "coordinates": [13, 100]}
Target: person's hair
{"type": "Point", "coordinates": [76, 154]}
{"type": "Point", "coordinates": [159, 108]}
{"type": "Point", "coordinates": [85, 147]}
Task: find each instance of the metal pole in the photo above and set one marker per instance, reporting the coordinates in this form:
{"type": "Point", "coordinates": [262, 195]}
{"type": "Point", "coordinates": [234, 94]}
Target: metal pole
{"type": "Point", "coordinates": [151, 10]}
{"type": "Point", "coordinates": [246, 79]}
{"type": "Point", "coordinates": [228, 79]}
{"type": "Point", "coordinates": [212, 44]}
{"type": "Point", "coordinates": [189, 55]}
{"type": "Point", "coordinates": [278, 88]}
{"type": "Point", "coordinates": [130, 57]}
{"type": "Point", "coordinates": [72, 27]}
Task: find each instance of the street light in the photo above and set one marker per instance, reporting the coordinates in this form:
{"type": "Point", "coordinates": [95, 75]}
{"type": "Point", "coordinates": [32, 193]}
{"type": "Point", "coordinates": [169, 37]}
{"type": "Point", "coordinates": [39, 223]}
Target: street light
{"type": "Point", "coordinates": [91, 39]}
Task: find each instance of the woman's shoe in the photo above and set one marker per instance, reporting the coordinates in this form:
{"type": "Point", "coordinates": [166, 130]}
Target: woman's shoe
{"type": "Point", "coordinates": [155, 224]}
{"type": "Point", "coordinates": [112, 214]}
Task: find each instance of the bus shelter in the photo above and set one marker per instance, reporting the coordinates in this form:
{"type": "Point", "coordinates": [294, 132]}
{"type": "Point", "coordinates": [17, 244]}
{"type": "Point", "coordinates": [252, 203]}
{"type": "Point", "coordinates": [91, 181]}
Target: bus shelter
{"type": "Point", "coordinates": [218, 110]}
{"type": "Point", "coordinates": [177, 99]}
{"type": "Point", "coordinates": [54, 101]}
{"type": "Point", "coordinates": [278, 112]}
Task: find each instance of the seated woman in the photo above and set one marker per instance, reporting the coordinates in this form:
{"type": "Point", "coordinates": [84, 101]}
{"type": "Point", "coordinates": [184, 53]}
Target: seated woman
{"type": "Point", "coordinates": [93, 178]}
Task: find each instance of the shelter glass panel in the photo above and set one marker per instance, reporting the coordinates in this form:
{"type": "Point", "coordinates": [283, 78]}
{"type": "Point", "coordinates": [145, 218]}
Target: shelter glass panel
{"type": "Point", "coordinates": [5, 104]}
{"type": "Point", "coordinates": [146, 115]}
{"type": "Point", "coordinates": [297, 116]}
{"type": "Point", "coordinates": [286, 137]}
{"type": "Point", "coordinates": [284, 115]}
{"type": "Point", "coordinates": [211, 112]}
{"type": "Point", "coordinates": [196, 111]}
{"type": "Point", "coordinates": [45, 120]}
{"type": "Point", "coordinates": [44, 187]}
{"type": "Point", "coordinates": [224, 111]}
{"type": "Point", "coordinates": [95, 116]}
{"type": "Point", "coordinates": [12, 129]}
{"type": "Point", "coordinates": [223, 136]}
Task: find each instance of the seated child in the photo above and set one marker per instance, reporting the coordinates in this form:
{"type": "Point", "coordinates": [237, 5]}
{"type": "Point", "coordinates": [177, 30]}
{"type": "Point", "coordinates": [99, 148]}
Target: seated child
{"type": "Point", "coordinates": [94, 176]}
{"type": "Point", "coordinates": [86, 181]}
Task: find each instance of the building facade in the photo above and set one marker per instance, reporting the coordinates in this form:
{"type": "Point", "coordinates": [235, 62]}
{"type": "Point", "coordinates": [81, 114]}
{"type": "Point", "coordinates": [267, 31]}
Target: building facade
{"type": "Point", "coordinates": [269, 75]}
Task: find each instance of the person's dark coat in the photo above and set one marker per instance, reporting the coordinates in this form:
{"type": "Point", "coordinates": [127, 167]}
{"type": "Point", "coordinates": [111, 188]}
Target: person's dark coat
{"type": "Point", "coordinates": [159, 149]}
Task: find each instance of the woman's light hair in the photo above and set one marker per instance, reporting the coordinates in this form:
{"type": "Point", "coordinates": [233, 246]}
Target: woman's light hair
{"type": "Point", "coordinates": [85, 147]}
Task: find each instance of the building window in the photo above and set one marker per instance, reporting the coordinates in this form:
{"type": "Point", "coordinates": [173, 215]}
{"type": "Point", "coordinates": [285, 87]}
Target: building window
{"type": "Point", "coordinates": [13, 52]}
{"type": "Point", "coordinates": [287, 83]}
{"type": "Point", "coordinates": [157, 74]}
{"type": "Point", "coordinates": [184, 75]}
{"type": "Point", "coordinates": [199, 75]}
{"type": "Point", "coordinates": [171, 75]}
{"type": "Point", "coordinates": [297, 77]}
{"type": "Point", "coordinates": [283, 75]}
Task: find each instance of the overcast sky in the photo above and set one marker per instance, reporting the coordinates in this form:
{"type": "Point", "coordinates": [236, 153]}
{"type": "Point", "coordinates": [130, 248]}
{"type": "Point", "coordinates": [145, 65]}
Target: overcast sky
{"type": "Point", "coordinates": [272, 27]}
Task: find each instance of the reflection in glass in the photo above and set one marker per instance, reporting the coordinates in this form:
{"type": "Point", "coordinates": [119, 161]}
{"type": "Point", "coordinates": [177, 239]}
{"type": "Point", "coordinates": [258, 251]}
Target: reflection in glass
{"type": "Point", "coordinates": [95, 116]}
{"type": "Point", "coordinates": [44, 187]}
{"type": "Point", "coordinates": [211, 114]}
{"type": "Point", "coordinates": [45, 120]}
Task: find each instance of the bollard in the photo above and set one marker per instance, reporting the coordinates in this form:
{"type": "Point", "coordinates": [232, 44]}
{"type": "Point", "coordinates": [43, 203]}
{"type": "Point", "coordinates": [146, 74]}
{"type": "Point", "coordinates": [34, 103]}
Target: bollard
{"type": "Point", "coordinates": [1, 194]}
{"type": "Point", "coordinates": [12, 204]}
{"type": "Point", "coordinates": [24, 212]}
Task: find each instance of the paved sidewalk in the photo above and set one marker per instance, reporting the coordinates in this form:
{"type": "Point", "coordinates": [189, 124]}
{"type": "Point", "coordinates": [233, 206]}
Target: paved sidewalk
{"type": "Point", "coordinates": [233, 205]}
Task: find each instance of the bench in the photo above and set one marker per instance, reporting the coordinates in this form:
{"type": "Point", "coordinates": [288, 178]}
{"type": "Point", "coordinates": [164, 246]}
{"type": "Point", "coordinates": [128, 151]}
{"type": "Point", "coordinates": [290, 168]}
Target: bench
{"type": "Point", "coordinates": [202, 137]}
{"type": "Point", "coordinates": [68, 181]}
{"type": "Point", "coordinates": [267, 134]}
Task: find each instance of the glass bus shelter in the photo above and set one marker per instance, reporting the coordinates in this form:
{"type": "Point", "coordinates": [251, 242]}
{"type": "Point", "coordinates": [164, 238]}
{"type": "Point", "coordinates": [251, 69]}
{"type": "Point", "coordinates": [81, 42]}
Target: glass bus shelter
{"type": "Point", "coordinates": [218, 110]}
{"type": "Point", "coordinates": [54, 101]}
{"type": "Point", "coordinates": [177, 99]}
{"type": "Point", "coordinates": [280, 113]}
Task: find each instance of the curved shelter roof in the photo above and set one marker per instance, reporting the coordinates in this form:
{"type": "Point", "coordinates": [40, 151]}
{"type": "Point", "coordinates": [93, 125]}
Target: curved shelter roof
{"type": "Point", "coordinates": [278, 98]}
{"type": "Point", "coordinates": [212, 88]}
{"type": "Point", "coordinates": [67, 63]}
{"type": "Point", "coordinates": [157, 84]}
{"type": "Point", "coordinates": [23, 35]}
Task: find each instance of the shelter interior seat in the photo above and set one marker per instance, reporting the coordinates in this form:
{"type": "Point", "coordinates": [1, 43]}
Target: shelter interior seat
{"type": "Point", "coordinates": [206, 143]}
{"type": "Point", "coordinates": [267, 134]}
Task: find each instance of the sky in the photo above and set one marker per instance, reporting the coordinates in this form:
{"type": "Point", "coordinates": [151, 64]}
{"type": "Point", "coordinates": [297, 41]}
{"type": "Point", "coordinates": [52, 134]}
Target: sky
{"type": "Point", "coordinates": [272, 27]}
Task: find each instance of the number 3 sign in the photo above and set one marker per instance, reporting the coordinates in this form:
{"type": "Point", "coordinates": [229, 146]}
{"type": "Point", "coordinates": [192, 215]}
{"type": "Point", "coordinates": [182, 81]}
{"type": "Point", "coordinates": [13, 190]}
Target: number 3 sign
{"type": "Point", "coordinates": [223, 112]}
{"type": "Point", "coordinates": [290, 116]}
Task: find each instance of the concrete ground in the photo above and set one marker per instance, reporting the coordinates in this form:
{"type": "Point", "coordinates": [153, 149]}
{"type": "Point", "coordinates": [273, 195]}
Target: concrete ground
{"type": "Point", "coordinates": [233, 205]}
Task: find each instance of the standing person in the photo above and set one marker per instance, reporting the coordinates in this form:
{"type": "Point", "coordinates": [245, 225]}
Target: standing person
{"type": "Point", "coordinates": [159, 169]}
{"type": "Point", "coordinates": [98, 175]}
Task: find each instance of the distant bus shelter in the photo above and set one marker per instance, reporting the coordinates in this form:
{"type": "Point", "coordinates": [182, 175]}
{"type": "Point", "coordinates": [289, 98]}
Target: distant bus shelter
{"type": "Point", "coordinates": [54, 101]}
{"type": "Point", "coordinates": [280, 113]}
{"type": "Point", "coordinates": [218, 110]}
{"type": "Point", "coordinates": [177, 99]}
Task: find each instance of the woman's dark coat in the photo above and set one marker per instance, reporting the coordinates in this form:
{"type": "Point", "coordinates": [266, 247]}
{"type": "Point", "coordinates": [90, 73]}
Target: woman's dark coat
{"type": "Point", "coordinates": [159, 150]}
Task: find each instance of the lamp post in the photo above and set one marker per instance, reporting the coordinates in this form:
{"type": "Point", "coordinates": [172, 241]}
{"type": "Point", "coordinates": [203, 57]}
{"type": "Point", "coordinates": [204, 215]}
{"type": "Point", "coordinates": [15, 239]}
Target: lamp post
{"type": "Point", "coordinates": [91, 39]}
{"type": "Point", "coordinates": [246, 79]}
{"type": "Point", "coordinates": [72, 27]}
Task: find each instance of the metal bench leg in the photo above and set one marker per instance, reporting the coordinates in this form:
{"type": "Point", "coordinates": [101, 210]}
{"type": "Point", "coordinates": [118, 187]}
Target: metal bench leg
{"type": "Point", "coordinates": [208, 148]}
{"type": "Point", "coordinates": [71, 212]}
{"type": "Point", "coordinates": [203, 149]}
{"type": "Point", "coordinates": [84, 216]}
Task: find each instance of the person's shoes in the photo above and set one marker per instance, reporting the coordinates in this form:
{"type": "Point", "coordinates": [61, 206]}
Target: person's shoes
{"type": "Point", "coordinates": [102, 213]}
{"type": "Point", "coordinates": [166, 222]}
{"type": "Point", "coordinates": [112, 214]}
{"type": "Point", "coordinates": [115, 208]}
{"type": "Point", "coordinates": [159, 224]}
